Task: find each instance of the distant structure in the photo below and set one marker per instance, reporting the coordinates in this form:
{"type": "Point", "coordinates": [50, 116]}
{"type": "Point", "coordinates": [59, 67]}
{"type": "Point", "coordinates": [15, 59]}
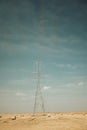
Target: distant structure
{"type": "Point", "coordinates": [39, 102]}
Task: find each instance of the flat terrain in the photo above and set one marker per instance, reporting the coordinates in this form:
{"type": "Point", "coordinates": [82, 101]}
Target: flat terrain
{"type": "Point", "coordinates": [47, 121]}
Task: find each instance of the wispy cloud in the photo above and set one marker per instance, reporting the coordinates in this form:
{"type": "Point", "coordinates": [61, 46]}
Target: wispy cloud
{"type": "Point", "coordinates": [17, 82]}
{"type": "Point", "coordinates": [76, 84]}
{"type": "Point", "coordinates": [72, 66]}
{"type": "Point", "coordinates": [20, 94]}
{"type": "Point", "coordinates": [81, 83]}
{"type": "Point", "coordinates": [65, 66]}
{"type": "Point", "coordinates": [13, 48]}
{"type": "Point", "coordinates": [46, 87]}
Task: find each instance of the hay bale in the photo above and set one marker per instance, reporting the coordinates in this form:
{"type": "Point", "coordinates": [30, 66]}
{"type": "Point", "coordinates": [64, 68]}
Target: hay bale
{"type": "Point", "coordinates": [13, 118]}
{"type": "Point", "coordinates": [49, 115]}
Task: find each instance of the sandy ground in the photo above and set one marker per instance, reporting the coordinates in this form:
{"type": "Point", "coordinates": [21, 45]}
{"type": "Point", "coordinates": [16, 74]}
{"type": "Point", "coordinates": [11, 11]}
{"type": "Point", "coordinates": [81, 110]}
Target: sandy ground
{"type": "Point", "coordinates": [47, 121]}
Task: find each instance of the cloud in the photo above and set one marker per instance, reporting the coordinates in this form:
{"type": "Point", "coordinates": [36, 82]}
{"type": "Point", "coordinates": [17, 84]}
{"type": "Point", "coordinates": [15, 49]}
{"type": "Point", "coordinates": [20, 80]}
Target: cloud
{"type": "Point", "coordinates": [20, 94]}
{"type": "Point", "coordinates": [46, 87]}
{"type": "Point", "coordinates": [19, 82]}
{"type": "Point", "coordinates": [76, 84]}
{"type": "Point", "coordinates": [12, 47]}
{"type": "Point", "coordinates": [70, 66]}
{"type": "Point", "coordinates": [80, 83]}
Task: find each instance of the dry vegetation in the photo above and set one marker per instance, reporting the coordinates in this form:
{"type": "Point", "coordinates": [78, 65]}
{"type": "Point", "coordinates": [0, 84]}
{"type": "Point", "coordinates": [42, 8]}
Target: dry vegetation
{"type": "Point", "coordinates": [48, 121]}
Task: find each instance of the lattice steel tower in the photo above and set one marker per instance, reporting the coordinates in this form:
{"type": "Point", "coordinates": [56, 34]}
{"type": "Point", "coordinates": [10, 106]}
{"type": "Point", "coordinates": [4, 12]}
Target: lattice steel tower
{"type": "Point", "coordinates": [39, 102]}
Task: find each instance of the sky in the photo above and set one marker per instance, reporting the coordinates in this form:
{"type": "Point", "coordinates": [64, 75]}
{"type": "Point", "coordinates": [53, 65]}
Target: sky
{"type": "Point", "coordinates": [54, 33]}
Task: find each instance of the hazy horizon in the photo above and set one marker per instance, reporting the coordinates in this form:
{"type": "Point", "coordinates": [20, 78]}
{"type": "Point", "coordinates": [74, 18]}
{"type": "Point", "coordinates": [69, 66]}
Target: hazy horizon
{"type": "Point", "coordinates": [53, 32]}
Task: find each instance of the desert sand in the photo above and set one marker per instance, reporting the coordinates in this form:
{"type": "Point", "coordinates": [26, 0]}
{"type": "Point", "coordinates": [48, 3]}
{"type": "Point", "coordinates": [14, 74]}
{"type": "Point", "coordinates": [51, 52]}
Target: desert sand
{"type": "Point", "coordinates": [44, 121]}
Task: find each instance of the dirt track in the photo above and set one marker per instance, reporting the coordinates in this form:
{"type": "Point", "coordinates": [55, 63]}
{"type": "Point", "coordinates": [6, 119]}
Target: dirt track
{"type": "Point", "coordinates": [48, 121]}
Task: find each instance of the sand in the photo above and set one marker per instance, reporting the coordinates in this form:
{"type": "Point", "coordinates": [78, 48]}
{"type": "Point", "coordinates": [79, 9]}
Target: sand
{"type": "Point", "coordinates": [47, 121]}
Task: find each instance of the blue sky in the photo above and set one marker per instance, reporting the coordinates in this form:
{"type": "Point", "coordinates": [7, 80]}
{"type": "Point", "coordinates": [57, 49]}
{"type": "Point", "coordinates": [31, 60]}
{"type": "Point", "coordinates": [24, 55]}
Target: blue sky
{"type": "Point", "coordinates": [53, 32]}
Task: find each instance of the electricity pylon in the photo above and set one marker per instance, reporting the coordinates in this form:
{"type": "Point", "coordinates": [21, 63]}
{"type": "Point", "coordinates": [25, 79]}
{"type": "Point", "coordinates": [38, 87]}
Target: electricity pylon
{"type": "Point", "coordinates": [39, 102]}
